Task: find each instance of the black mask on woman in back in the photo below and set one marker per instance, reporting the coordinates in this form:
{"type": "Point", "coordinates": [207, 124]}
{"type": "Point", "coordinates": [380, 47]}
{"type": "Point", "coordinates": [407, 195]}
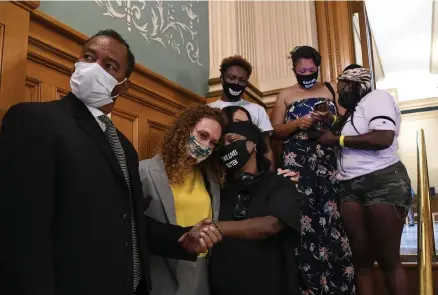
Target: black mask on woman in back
{"type": "Point", "coordinates": [307, 81]}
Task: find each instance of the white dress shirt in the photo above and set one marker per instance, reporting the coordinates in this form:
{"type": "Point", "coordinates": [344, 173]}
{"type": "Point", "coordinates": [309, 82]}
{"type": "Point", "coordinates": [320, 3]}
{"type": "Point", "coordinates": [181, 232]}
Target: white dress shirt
{"type": "Point", "coordinates": [96, 113]}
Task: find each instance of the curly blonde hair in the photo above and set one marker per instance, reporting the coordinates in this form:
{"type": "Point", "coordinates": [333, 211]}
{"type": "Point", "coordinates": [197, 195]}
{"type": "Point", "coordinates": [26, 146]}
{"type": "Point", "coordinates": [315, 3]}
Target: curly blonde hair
{"type": "Point", "coordinates": [173, 147]}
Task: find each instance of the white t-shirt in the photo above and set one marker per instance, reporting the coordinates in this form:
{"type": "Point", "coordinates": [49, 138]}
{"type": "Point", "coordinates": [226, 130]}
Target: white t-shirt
{"type": "Point", "coordinates": [376, 111]}
{"type": "Point", "coordinates": [259, 116]}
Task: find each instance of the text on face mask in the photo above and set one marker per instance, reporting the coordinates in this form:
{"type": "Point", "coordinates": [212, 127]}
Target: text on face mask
{"type": "Point", "coordinates": [309, 82]}
{"type": "Point", "coordinates": [231, 164]}
{"type": "Point", "coordinates": [229, 155]}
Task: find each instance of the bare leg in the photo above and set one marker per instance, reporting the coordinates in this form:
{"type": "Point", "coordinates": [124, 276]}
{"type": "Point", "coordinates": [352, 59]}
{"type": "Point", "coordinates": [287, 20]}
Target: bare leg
{"type": "Point", "coordinates": [355, 224]}
{"type": "Point", "coordinates": [386, 227]}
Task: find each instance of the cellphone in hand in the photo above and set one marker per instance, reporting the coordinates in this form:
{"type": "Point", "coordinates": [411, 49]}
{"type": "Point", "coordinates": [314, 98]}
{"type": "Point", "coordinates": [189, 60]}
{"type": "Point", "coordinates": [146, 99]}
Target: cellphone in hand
{"type": "Point", "coordinates": [321, 106]}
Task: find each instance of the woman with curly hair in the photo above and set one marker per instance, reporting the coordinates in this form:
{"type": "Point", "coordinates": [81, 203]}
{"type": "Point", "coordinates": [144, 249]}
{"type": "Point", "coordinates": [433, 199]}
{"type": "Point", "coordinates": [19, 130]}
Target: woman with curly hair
{"type": "Point", "coordinates": [181, 185]}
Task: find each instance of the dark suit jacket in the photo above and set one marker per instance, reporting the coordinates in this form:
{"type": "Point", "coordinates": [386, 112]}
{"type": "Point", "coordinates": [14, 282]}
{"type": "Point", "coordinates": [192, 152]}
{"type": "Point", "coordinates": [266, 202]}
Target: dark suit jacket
{"type": "Point", "coordinates": [64, 206]}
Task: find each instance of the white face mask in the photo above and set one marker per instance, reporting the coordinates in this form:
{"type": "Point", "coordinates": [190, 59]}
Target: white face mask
{"type": "Point", "coordinates": [92, 84]}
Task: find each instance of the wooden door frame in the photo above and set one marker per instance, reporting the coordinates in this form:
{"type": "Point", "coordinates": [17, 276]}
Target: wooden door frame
{"type": "Point", "coordinates": [13, 50]}
{"type": "Point", "coordinates": [335, 36]}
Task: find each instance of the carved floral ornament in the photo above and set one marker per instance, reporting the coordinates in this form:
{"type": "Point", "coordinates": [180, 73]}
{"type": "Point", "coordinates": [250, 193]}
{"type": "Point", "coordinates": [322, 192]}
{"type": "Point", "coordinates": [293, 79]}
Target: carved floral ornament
{"type": "Point", "coordinates": [156, 21]}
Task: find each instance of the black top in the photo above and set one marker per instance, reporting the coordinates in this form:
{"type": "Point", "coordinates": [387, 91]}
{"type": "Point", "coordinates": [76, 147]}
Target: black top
{"type": "Point", "coordinates": [265, 266]}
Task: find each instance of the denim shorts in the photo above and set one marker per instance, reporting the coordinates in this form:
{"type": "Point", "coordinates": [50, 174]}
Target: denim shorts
{"type": "Point", "coordinates": [390, 185]}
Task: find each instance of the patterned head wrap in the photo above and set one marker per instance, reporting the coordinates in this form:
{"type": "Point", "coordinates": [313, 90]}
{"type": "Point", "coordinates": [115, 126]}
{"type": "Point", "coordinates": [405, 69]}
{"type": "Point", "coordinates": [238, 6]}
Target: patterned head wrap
{"type": "Point", "coordinates": [360, 75]}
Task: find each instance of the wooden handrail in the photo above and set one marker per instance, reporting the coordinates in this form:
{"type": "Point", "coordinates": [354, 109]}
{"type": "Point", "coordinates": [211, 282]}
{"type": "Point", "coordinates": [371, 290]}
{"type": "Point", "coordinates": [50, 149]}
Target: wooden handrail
{"type": "Point", "coordinates": [426, 249]}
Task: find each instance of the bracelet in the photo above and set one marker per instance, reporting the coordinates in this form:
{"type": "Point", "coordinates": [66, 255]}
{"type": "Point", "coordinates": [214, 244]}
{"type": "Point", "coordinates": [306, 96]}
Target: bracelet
{"type": "Point", "coordinates": [218, 227]}
{"type": "Point", "coordinates": [341, 140]}
{"type": "Point", "coordinates": [335, 118]}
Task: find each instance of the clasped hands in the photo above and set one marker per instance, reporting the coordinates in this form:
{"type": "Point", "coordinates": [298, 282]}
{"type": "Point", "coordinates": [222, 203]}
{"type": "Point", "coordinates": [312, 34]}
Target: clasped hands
{"type": "Point", "coordinates": [203, 236]}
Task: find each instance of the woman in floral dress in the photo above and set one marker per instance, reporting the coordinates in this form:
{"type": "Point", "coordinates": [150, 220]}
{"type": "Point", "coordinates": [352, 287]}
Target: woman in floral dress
{"type": "Point", "coordinates": [299, 112]}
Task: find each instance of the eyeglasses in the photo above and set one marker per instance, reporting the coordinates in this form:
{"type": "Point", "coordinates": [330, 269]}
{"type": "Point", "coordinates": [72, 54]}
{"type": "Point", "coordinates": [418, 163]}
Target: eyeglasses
{"type": "Point", "coordinates": [241, 207]}
{"type": "Point", "coordinates": [204, 136]}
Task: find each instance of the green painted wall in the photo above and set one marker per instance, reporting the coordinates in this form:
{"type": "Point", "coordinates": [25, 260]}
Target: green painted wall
{"type": "Point", "coordinates": [168, 37]}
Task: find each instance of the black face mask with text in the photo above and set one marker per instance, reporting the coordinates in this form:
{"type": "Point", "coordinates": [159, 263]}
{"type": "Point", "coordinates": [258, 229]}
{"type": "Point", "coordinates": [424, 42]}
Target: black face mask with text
{"type": "Point", "coordinates": [307, 81]}
{"type": "Point", "coordinates": [234, 156]}
{"type": "Point", "coordinates": [233, 91]}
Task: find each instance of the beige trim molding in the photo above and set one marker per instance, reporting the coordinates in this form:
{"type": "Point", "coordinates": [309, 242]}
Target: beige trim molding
{"type": "Point", "coordinates": [419, 116]}
{"type": "Point", "coordinates": [418, 103]}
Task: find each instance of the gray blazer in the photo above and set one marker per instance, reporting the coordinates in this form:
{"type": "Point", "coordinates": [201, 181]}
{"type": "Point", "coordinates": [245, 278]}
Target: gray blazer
{"type": "Point", "coordinates": [171, 276]}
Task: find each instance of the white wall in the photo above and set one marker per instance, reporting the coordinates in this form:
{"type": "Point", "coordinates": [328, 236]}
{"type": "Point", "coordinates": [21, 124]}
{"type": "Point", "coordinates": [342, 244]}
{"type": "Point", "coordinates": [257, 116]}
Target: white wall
{"type": "Point", "coordinates": [408, 144]}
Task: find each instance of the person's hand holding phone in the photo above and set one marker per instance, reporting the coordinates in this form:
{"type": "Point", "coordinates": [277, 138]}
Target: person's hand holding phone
{"type": "Point", "coordinates": [321, 112]}
{"type": "Point", "coordinates": [322, 116]}
{"type": "Point", "coordinates": [305, 122]}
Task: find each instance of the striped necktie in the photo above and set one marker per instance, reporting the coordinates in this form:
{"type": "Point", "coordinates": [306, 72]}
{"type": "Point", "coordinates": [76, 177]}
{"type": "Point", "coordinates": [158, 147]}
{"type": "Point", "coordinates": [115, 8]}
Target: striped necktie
{"type": "Point", "coordinates": [116, 146]}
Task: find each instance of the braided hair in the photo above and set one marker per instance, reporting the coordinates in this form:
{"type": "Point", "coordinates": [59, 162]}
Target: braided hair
{"type": "Point", "coordinates": [359, 81]}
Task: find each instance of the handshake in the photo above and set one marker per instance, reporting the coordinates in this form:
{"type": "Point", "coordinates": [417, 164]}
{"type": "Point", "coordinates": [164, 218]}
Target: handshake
{"type": "Point", "coordinates": [203, 236]}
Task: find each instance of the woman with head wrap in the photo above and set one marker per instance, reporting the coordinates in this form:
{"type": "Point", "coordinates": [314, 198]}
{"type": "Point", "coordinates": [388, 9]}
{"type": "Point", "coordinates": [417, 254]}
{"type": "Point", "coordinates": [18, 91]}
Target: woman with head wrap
{"type": "Point", "coordinates": [259, 219]}
{"type": "Point", "coordinates": [374, 185]}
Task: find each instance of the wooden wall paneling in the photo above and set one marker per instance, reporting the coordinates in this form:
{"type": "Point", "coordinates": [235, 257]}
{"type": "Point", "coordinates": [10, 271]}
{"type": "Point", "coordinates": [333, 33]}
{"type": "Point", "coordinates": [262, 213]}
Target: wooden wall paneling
{"type": "Point", "coordinates": [142, 115]}
{"type": "Point", "coordinates": [32, 90]}
{"type": "Point", "coordinates": [335, 37]}
{"type": "Point", "coordinates": [13, 53]}
{"type": "Point", "coordinates": [156, 134]}
{"type": "Point", "coordinates": [27, 5]}
{"type": "Point", "coordinates": [359, 7]}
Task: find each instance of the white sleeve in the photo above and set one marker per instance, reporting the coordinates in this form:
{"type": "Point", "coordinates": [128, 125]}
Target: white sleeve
{"type": "Point", "coordinates": [264, 123]}
{"type": "Point", "coordinates": [213, 104]}
{"type": "Point", "coordinates": [381, 111]}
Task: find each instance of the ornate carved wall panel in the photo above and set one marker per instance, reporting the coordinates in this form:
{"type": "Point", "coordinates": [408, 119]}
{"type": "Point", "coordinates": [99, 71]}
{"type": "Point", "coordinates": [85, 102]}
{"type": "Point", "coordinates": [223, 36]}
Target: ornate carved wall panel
{"type": "Point", "coordinates": [157, 22]}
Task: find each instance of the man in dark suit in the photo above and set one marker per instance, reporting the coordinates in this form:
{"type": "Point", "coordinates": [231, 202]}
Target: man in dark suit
{"type": "Point", "coordinates": [71, 206]}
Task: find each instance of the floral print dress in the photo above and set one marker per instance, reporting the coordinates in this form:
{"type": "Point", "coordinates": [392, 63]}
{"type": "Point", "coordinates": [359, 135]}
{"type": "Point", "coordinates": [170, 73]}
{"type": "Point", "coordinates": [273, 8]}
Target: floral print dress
{"type": "Point", "coordinates": [325, 254]}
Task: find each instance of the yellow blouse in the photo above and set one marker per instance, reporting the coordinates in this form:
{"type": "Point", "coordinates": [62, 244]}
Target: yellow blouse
{"type": "Point", "coordinates": [192, 201]}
